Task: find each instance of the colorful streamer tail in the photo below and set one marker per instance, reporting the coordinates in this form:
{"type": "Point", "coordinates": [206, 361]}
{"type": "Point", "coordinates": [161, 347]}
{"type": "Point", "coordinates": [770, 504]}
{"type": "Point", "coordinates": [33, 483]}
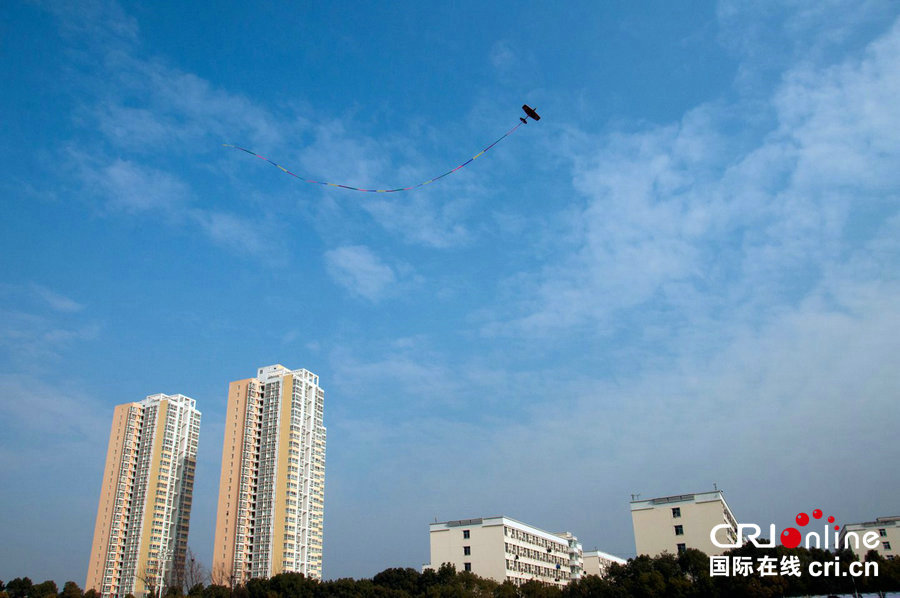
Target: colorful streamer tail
{"type": "Point", "coordinates": [351, 188]}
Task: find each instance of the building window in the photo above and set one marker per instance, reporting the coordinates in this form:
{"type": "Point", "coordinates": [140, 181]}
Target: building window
{"type": "Point", "coordinates": [887, 545]}
{"type": "Point", "coordinates": [676, 512]}
{"type": "Point", "coordinates": [466, 534]}
{"type": "Point", "coordinates": [467, 550]}
{"type": "Point", "coordinates": [882, 532]}
{"type": "Point", "coordinates": [467, 566]}
{"type": "Point", "coordinates": [679, 530]}
{"type": "Point", "coordinates": [681, 548]}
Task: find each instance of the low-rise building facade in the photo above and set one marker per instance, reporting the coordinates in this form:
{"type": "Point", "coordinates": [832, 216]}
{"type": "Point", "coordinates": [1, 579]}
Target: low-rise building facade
{"type": "Point", "coordinates": [888, 530]}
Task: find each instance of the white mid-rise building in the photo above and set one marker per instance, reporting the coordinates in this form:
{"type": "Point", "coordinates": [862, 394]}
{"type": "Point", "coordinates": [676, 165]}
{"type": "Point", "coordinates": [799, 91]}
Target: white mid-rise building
{"type": "Point", "coordinates": [597, 562]}
{"type": "Point", "coordinates": [503, 549]}
{"type": "Point", "coordinates": [675, 523]}
{"type": "Point", "coordinates": [888, 530]}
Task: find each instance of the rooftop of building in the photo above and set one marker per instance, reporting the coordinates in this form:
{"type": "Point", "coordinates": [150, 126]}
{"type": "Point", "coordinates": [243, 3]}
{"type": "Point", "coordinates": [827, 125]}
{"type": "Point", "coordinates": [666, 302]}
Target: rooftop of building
{"type": "Point", "coordinates": [502, 519]}
{"type": "Point", "coordinates": [695, 497]}
{"type": "Point", "coordinates": [604, 556]}
{"type": "Point", "coordinates": [277, 371]}
{"type": "Point", "coordinates": [176, 398]}
{"type": "Point", "coordinates": [893, 520]}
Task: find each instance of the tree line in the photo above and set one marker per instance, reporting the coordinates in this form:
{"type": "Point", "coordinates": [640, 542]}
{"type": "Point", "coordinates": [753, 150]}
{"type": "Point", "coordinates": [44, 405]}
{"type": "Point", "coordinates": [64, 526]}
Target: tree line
{"type": "Point", "coordinates": [666, 576]}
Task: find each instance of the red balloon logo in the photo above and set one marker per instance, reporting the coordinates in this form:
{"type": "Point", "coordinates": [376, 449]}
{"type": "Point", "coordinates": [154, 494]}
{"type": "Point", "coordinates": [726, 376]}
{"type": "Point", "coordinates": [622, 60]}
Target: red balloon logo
{"type": "Point", "coordinates": [790, 538]}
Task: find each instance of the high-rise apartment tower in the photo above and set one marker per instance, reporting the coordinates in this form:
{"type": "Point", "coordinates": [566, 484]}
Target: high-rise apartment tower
{"type": "Point", "coordinates": [272, 487]}
{"type": "Point", "coordinates": [140, 536]}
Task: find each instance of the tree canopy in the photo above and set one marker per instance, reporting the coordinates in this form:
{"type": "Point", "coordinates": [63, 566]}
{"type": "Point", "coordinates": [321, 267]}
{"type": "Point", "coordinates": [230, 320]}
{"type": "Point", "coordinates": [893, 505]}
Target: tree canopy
{"type": "Point", "coordinates": [666, 576]}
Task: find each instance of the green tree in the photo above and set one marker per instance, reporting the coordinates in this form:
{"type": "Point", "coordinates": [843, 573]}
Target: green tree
{"type": "Point", "coordinates": [404, 580]}
{"type": "Point", "coordinates": [216, 591]}
{"type": "Point", "coordinates": [293, 585]}
{"type": "Point", "coordinates": [92, 593]}
{"type": "Point", "coordinates": [475, 586]}
{"type": "Point", "coordinates": [535, 589]}
{"type": "Point", "coordinates": [71, 590]}
{"type": "Point", "coordinates": [45, 589]}
{"type": "Point", "coordinates": [19, 587]}
{"type": "Point", "coordinates": [257, 588]}
{"type": "Point", "coordinates": [173, 591]}
{"type": "Point", "coordinates": [506, 590]}
{"type": "Point", "coordinates": [352, 588]}
{"type": "Point", "coordinates": [593, 586]}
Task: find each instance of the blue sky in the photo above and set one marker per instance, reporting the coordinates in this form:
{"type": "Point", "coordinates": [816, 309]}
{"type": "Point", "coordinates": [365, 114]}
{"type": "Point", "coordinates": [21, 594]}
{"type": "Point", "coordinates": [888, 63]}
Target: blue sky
{"type": "Point", "coordinates": [686, 273]}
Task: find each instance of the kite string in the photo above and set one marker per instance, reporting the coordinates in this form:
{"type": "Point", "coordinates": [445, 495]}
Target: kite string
{"type": "Point", "coordinates": [310, 181]}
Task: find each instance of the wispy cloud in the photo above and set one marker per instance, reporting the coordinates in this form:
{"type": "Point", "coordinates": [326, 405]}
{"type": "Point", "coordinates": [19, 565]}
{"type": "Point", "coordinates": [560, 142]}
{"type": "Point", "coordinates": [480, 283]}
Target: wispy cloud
{"type": "Point", "coordinates": [57, 301]}
{"type": "Point", "coordinates": [37, 324]}
{"type": "Point", "coordinates": [143, 117]}
{"type": "Point", "coordinates": [177, 110]}
{"type": "Point", "coordinates": [682, 220]}
{"type": "Point", "coordinates": [254, 236]}
{"type": "Point", "coordinates": [360, 271]}
{"type": "Point", "coordinates": [800, 31]}
{"type": "Point", "coordinates": [96, 22]}
{"type": "Point", "coordinates": [433, 216]}
{"type": "Point", "coordinates": [133, 188]}
{"type": "Point", "coordinates": [55, 436]}
{"type": "Point", "coordinates": [502, 55]}
{"type": "Point", "coordinates": [157, 134]}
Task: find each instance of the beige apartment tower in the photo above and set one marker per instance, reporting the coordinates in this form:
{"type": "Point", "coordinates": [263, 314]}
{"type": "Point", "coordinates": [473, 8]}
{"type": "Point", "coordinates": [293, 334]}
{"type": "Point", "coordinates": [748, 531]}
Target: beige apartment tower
{"type": "Point", "coordinates": [141, 531]}
{"type": "Point", "coordinates": [675, 523]}
{"type": "Point", "coordinates": [272, 487]}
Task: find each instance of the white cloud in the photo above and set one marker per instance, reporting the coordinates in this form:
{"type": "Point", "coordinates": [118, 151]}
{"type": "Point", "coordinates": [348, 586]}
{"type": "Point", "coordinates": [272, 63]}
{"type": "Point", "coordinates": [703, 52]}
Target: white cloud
{"type": "Point", "coordinates": [133, 188]}
{"type": "Point", "coordinates": [770, 36]}
{"type": "Point", "coordinates": [54, 437]}
{"type": "Point", "coordinates": [37, 324]}
{"type": "Point", "coordinates": [56, 300]}
{"type": "Point", "coordinates": [427, 216]}
{"type": "Point", "coordinates": [241, 234]}
{"type": "Point", "coordinates": [502, 55]}
{"type": "Point", "coordinates": [421, 219]}
{"type": "Point", "coordinates": [96, 22]}
{"type": "Point", "coordinates": [156, 124]}
{"type": "Point", "coordinates": [360, 271]}
{"type": "Point", "coordinates": [680, 218]}
{"type": "Point", "coordinates": [178, 111]}
{"type": "Point", "coordinates": [129, 187]}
